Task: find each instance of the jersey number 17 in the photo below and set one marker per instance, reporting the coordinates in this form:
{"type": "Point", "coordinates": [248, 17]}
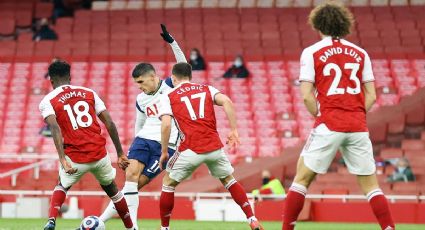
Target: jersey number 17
{"type": "Point", "coordinates": [188, 103]}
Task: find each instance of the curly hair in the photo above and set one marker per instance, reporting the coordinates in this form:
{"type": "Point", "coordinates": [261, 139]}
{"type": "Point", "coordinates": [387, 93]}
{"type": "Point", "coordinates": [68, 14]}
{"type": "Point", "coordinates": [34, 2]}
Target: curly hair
{"type": "Point", "coordinates": [331, 19]}
{"type": "Point", "coordinates": [59, 69]}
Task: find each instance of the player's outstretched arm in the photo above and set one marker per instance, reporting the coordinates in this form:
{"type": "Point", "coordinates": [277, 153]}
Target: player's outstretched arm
{"type": "Point", "coordinates": [369, 94]}
{"type": "Point", "coordinates": [113, 133]}
{"type": "Point", "coordinates": [307, 92]}
{"type": "Point", "coordinates": [165, 138]}
{"type": "Point", "coordinates": [178, 53]}
{"type": "Point", "coordinates": [58, 139]}
{"type": "Point", "coordinates": [223, 100]}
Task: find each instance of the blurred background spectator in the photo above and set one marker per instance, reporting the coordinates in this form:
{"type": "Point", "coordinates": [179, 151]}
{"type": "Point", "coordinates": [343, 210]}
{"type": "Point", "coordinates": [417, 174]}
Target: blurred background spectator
{"type": "Point", "coordinates": [270, 185]}
{"type": "Point", "coordinates": [43, 31]}
{"type": "Point", "coordinates": [60, 10]}
{"type": "Point", "coordinates": [196, 60]}
{"type": "Point", "coordinates": [237, 70]}
{"type": "Point", "coordinates": [402, 171]}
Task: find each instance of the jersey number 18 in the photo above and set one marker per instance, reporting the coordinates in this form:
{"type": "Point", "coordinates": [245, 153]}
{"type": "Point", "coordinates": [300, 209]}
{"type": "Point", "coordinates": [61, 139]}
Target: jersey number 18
{"type": "Point", "coordinates": [78, 121]}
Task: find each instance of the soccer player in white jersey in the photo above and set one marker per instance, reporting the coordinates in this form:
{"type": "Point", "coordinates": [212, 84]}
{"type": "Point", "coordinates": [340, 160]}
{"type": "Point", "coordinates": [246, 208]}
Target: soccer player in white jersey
{"type": "Point", "coordinates": [145, 150]}
{"type": "Point", "coordinates": [337, 85]}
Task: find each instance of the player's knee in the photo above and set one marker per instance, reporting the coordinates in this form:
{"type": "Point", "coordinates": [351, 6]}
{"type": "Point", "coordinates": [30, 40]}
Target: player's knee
{"type": "Point", "coordinates": [226, 179]}
{"type": "Point", "coordinates": [61, 187]}
{"type": "Point", "coordinates": [132, 174]}
{"type": "Point", "coordinates": [110, 189]}
{"type": "Point", "coordinates": [367, 183]}
{"type": "Point", "coordinates": [304, 179]}
{"type": "Point", "coordinates": [167, 181]}
{"type": "Point", "coordinates": [143, 180]}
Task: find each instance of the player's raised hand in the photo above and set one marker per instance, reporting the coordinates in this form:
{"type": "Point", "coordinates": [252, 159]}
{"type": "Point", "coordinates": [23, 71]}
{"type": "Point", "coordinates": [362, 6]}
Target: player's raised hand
{"type": "Point", "coordinates": [166, 35]}
{"type": "Point", "coordinates": [233, 139]}
{"type": "Point", "coordinates": [67, 167]}
{"type": "Point", "coordinates": [123, 161]}
{"type": "Point", "coordinates": [163, 160]}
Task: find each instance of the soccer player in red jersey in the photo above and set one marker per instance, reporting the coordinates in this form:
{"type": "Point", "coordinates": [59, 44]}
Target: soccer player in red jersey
{"type": "Point", "coordinates": [192, 107]}
{"type": "Point", "coordinates": [70, 111]}
{"type": "Point", "coordinates": [337, 85]}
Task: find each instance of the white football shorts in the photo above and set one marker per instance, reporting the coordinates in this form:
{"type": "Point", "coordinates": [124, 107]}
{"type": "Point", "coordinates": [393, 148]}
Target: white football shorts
{"type": "Point", "coordinates": [182, 164]}
{"type": "Point", "coordinates": [322, 145]}
{"type": "Point", "coordinates": [101, 169]}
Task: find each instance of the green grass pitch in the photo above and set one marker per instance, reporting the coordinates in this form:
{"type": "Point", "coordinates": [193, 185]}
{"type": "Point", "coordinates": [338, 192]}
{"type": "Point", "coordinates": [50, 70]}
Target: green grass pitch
{"type": "Point", "coordinates": [115, 224]}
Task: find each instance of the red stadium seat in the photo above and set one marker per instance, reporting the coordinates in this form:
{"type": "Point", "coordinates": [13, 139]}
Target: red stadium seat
{"type": "Point", "coordinates": [23, 18]}
{"type": "Point", "coordinates": [396, 126]}
{"type": "Point", "coordinates": [43, 10]}
{"type": "Point", "coordinates": [410, 188]}
{"type": "Point", "coordinates": [43, 50]}
{"type": "Point", "coordinates": [413, 145]}
{"type": "Point", "coordinates": [24, 51]}
{"type": "Point", "coordinates": [7, 26]}
{"type": "Point", "coordinates": [7, 50]}
{"type": "Point", "coordinates": [62, 49]}
{"type": "Point", "coordinates": [391, 153]}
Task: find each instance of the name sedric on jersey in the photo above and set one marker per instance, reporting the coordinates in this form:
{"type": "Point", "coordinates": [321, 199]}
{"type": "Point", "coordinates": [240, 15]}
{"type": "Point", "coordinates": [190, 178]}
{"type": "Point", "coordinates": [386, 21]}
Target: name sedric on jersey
{"type": "Point", "coordinates": [76, 109]}
{"type": "Point", "coordinates": [192, 106]}
{"type": "Point", "coordinates": [338, 68]}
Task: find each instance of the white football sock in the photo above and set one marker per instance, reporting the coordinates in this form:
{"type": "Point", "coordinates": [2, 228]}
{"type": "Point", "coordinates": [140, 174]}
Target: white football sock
{"type": "Point", "coordinates": [109, 212]}
{"type": "Point", "coordinates": [131, 195]}
{"type": "Point", "coordinates": [165, 228]}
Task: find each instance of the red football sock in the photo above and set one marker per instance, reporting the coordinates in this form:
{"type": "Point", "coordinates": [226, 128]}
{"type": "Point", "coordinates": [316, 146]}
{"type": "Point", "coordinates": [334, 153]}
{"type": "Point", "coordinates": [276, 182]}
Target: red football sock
{"type": "Point", "coordinates": [122, 209]}
{"type": "Point", "coordinates": [380, 208]}
{"type": "Point", "coordinates": [239, 196]}
{"type": "Point", "coordinates": [58, 197]}
{"type": "Point", "coordinates": [166, 205]}
{"type": "Point", "coordinates": [294, 203]}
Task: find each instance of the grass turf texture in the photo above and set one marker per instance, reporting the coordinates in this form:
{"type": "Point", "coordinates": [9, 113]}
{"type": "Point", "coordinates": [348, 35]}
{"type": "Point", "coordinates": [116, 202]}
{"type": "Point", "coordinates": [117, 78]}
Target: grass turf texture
{"type": "Point", "coordinates": [116, 224]}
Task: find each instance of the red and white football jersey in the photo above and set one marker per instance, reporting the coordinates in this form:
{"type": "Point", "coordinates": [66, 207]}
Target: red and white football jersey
{"type": "Point", "coordinates": [76, 109]}
{"type": "Point", "coordinates": [338, 69]}
{"type": "Point", "coordinates": [192, 106]}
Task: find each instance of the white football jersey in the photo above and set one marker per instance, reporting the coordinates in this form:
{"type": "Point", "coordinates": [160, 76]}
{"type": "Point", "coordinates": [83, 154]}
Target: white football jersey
{"type": "Point", "coordinates": [148, 110]}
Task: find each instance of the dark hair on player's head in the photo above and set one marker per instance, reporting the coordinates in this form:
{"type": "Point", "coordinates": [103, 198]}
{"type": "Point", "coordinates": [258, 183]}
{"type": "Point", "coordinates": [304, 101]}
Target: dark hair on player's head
{"type": "Point", "coordinates": [59, 69]}
{"type": "Point", "coordinates": [141, 69]}
{"type": "Point", "coordinates": [182, 70]}
{"type": "Point", "coordinates": [331, 19]}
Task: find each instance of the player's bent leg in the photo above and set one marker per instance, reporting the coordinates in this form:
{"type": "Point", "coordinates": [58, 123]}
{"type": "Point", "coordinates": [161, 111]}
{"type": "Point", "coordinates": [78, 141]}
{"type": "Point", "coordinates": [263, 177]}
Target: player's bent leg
{"type": "Point", "coordinates": [166, 201]}
{"type": "Point", "coordinates": [378, 202]}
{"type": "Point", "coordinates": [133, 171]}
{"type": "Point", "coordinates": [59, 193]}
{"type": "Point", "coordinates": [179, 167]}
{"type": "Point", "coordinates": [239, 196]}
{"type": "Point", "coordinates": [143, 181]}
{"type": "Point", "coordinates": [120, 203]}
{"type": "Point", "coordinates": [57, 199]}
{"type": "Point", "coordinates": [130, 191]}
{"type": "Point", "coordinates": [294, 201]}
{"type": "Point", "coordinates": [304, 175]}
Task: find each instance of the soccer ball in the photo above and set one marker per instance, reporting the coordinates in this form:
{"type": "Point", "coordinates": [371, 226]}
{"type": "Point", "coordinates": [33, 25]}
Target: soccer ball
{"type": "Point", "coordinates": [92, 223]}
